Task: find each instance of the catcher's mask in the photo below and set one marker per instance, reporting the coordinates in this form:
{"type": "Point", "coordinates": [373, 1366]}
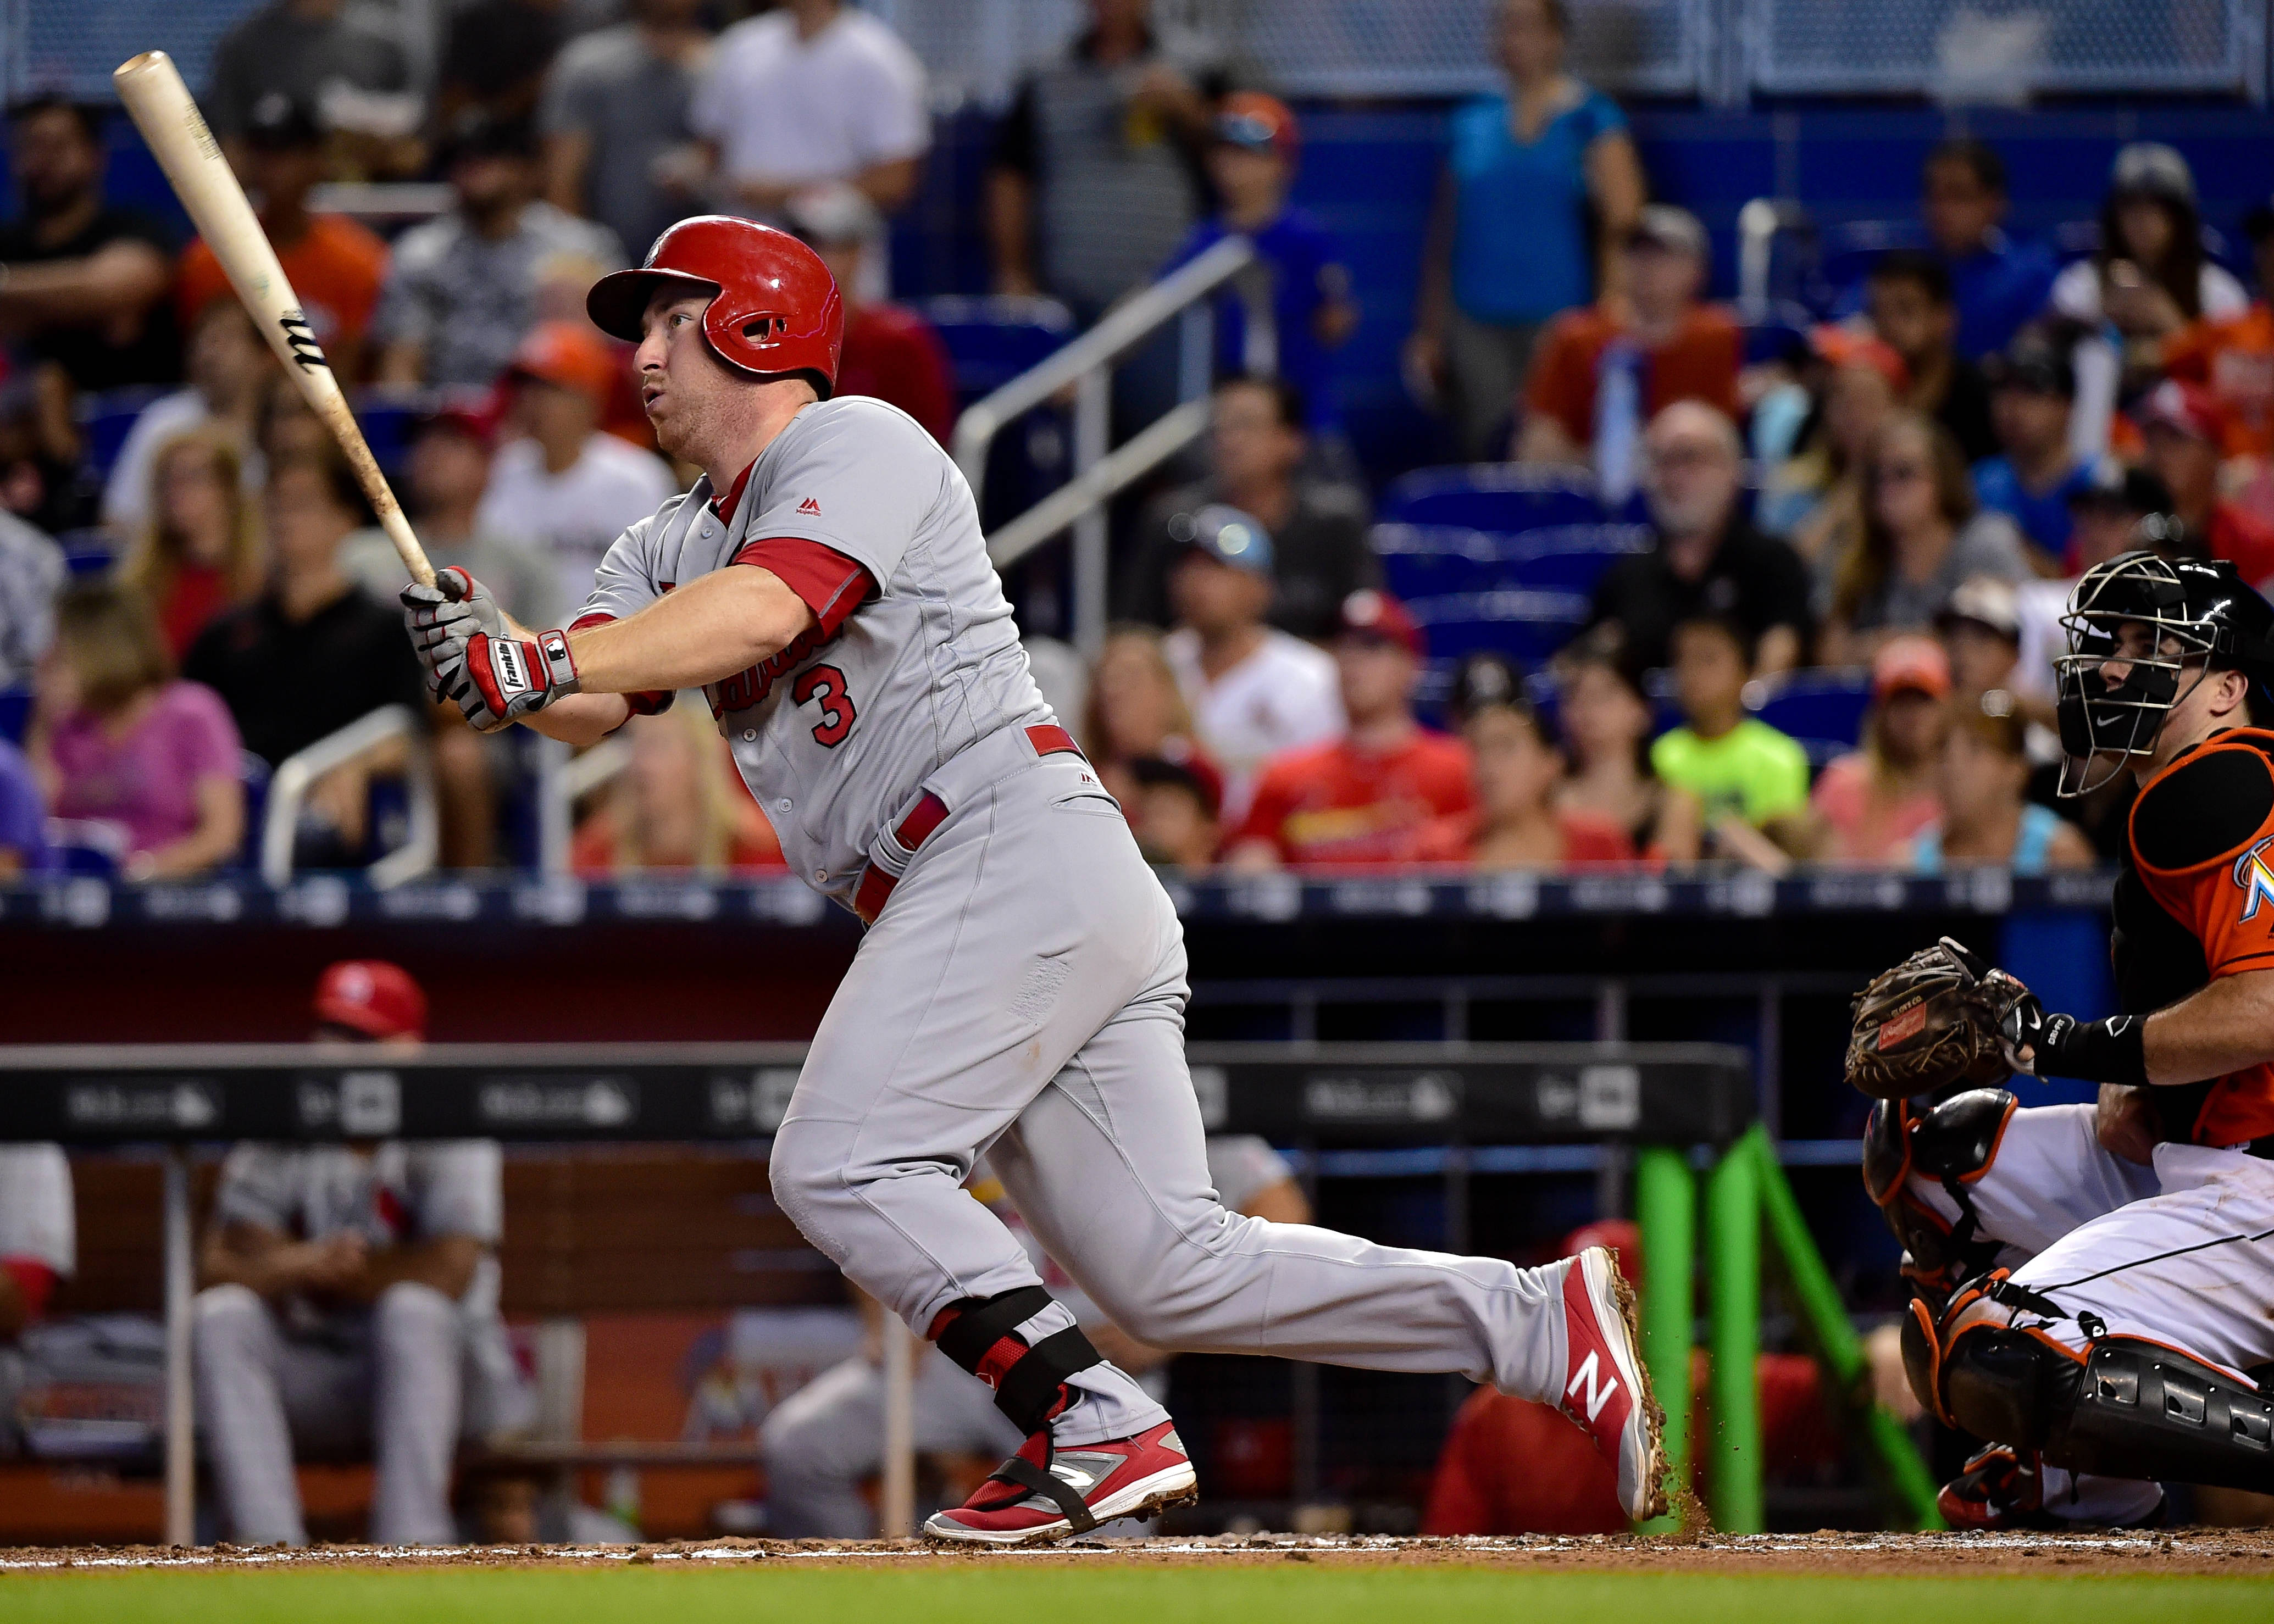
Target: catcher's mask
{"type": "Point", "coordinates": [2136, 625]}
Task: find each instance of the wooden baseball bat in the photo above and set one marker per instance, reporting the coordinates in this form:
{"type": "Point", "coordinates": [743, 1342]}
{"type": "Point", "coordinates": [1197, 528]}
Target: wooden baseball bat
{"type": "Point", "coordinates": [162, 108]}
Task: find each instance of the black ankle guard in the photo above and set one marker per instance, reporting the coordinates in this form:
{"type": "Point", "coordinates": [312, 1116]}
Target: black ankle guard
{"type": "Point", "coordinates": [1027, 1386]}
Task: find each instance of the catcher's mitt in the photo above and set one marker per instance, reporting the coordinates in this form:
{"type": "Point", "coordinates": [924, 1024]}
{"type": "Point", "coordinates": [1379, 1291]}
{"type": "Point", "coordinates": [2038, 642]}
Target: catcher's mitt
{"type": "Point", "coordinates": [1931, 1022]}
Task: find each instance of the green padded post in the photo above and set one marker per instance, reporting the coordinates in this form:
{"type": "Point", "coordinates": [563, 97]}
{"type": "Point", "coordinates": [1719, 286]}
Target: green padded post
{"type": "Point", "coordinates": [1837, 1345]}
{"type": "Point", "coordinates": [1733, 1310]}
{"type": "Point", "coordinates": [1666, 1211]}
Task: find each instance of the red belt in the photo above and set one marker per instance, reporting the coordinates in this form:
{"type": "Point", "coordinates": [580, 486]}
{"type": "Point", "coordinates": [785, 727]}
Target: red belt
{"type": "Point", "coordinates": [929, 813]}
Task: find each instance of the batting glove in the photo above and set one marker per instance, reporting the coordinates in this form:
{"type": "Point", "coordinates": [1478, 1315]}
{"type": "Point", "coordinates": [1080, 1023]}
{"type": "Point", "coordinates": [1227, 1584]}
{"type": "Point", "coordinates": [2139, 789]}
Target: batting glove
{"type": "Point", "coordinates": [503, 679]}
{"type": "Point", "coordinates": [443, 619]}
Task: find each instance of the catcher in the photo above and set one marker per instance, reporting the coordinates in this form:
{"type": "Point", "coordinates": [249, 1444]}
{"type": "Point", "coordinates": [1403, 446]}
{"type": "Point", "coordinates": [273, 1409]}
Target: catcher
{"type": "Point", "coordinates": [2094, 1285]}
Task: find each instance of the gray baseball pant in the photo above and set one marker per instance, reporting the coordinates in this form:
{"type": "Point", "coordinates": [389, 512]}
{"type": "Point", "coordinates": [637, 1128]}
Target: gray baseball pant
{"type": "Point", "coordinates": [1021, 994]}
{"type": "Point", "coordinates": [391, 1384]}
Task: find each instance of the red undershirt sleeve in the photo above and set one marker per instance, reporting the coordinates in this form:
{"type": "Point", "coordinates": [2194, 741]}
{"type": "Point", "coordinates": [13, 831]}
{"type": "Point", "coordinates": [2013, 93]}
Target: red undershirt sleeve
{"type": "Point", "coordinates": [829, 585]}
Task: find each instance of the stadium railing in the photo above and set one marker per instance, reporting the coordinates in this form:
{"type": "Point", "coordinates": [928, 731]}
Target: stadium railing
{"type": "Point", "coordinates": [296, 775]}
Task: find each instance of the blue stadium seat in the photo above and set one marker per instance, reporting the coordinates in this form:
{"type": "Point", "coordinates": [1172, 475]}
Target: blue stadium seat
{"type": "Point", "coordinates": [993, 339]}
{"type": "Point", "coordinates": [104, 420]}
{"type": "Point", "coordinates": [1425, 560]}
{"type": "Point", "coordinates": [1507, 498]}
{"type": "Point", "coordinates": [88, 551]}
{"type": "Point", "coordinates": [1523, 626]}
{"type": "Point", "coordinates": [15, 713]}
{"type": "Point", "coordinates": [1822, 709]}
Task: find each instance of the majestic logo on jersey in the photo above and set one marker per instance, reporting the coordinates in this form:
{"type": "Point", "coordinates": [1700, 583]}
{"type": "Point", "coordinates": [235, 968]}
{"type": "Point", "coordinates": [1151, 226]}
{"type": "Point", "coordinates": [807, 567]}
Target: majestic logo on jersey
{"type": "Point", "coordinates": [2254, 878]}
{"type": "Point", "coordinates": [810, 507]}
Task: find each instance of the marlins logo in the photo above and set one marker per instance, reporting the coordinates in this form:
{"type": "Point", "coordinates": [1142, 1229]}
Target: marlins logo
{"type": "Point", "coordinates": [307, 354]}
{"type": "Point", "coordinates": [2255, 879]}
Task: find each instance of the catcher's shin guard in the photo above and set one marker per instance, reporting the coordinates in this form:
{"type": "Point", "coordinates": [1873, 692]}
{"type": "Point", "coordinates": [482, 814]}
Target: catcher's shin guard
{"type": "Point", "coordinates": [982, 1334]}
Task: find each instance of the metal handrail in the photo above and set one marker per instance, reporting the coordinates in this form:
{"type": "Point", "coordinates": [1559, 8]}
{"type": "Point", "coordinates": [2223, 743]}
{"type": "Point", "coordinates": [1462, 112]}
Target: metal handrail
{"type": "Point", "coordinates": [288, 788]}
{"type": "Point", "coordinates": [562, 780]}
{"type": "Point", "coordinates": [1086, 365]}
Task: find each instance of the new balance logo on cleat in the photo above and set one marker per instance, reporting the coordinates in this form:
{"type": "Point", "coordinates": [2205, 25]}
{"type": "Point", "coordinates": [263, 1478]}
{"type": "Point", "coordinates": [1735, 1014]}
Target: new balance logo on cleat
{"type": "Point", "coordinates": [1598, 1396]}
{"type": "Point", "coordinates": [809, 505]}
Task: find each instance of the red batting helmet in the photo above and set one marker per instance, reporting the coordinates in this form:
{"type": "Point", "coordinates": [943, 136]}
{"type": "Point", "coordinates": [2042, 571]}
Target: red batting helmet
{"type": "Point", "coordinates": [371, 997]}
{"type": "Point", "coordinates": [774, 307]}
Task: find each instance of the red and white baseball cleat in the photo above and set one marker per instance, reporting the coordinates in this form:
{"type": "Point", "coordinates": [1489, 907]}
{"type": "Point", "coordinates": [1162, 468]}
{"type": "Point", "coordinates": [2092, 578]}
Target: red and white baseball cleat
{"type": "Point", "coordinates": [1041, 1494]}
{"type": "Point", "coordinates": [1605, 1388]}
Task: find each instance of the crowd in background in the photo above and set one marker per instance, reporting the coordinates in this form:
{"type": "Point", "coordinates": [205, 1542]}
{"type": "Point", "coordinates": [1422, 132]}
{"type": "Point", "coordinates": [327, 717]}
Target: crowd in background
{"type": "Point", "coordinates": [1908, 488]}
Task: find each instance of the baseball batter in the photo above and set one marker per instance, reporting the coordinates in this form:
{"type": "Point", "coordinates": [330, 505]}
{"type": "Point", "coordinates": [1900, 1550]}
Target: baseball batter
{"type": "Point", "coordinates": [1021, 990]}
{"type": "Point", "coordinates": [2096, 1284]}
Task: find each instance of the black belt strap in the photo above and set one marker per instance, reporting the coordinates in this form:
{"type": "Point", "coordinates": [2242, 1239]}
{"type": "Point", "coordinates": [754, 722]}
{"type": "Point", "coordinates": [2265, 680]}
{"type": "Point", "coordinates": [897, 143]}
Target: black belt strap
{"type": "Point", "coordinates": [981, 1322]}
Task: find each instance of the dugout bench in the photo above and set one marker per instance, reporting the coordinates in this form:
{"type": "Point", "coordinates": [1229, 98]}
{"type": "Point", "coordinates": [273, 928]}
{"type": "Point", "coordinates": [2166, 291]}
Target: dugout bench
{"type": "Point", "coordinates": [1680, 1108]}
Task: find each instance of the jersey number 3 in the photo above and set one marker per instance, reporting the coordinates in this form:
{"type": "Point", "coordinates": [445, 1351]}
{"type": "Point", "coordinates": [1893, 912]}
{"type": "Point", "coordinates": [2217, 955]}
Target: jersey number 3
{"type": "Point", "coordinates": [827, 683]}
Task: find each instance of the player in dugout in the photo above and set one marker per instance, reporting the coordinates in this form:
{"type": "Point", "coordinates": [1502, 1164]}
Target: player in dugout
{"type": "Point", "coordinates": [2093, 1283]}
{"type": "Point", "coordinates": [350, 1303]}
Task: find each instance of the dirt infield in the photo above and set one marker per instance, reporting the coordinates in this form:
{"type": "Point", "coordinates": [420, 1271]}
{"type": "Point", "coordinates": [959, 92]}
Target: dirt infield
{"type": "Point", "coordinates": [2231, 1552]}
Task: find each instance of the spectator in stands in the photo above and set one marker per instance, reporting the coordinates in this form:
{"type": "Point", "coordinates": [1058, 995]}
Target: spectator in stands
{"type": "Point", "coordinates": [116, 739]}
{"type": "Point", "coordinates": [1911, 310]}
{"type": "Point", "coordinates": [1980, 780]}
{"type": "Point", "coordinates": [1253, 691]}
{"type": "Point", "coordinates": [2120, 509]}
{"type": "Point", "coordinates": [287, 428]}
{"type": "Point", "coordinates": [1675, 347]}
{"type": "Point", "coordinates": [618, 146]}
{"type": "Point", "coordinates": [1997, 283]}
{"type": "Point", "coordinates": [24, 849]}
{"type": "Point", "coordinates": [82, 281]}
{"type": "Point", "coordinates": [1815, 496]}
{"type": "Point", "coordinates": [448, 468]}
{"type": "Point", "coordinates": [31, 572]}
{"type": "Point", "coordinates": [1366, 799]}
{"type": "Point", "coordinates": [39, 1249]}
{"type": "Point", "coordinates": [890, 351]}
{"type": "Point", "coordinates": [200, 553]}
{"type": "Point", "coordinates": [1707, 559]}
{"type": "Point", "coordinates": [1251, 162]}
{"type": "Point", "coordinates": [44, 475]}
{"type": "Point", "coordinates": [564, 487]}
{"type": "Point", "coordinates": [494, 58]}
{"type": "Point", "coordinates": [312, 53]}
{"type": "Point", "coordinates": [1178, 812]}
{"type": "Point", "coordinates": [1870, 803]}
{"type": "Point", "coordinates": [1541, 185]}
{"type": "Point", "coordinates": [1093, 181]}
{"type": "Point", "coordinates": [2149, 276]}
{"type": "Point", "coordinates": [1135, 710]}
{"type": "Point", "coordinates": [315, 652]}
{"type": "Point", "coordinates": [2234, 355]}
{"type": "Point", "coordinates": [336, 266]}
{"type": "Point", "coordinates": [2032, 395]}
{"type": "Point", "coordinates": [1923, 534]}
{"type": "Point", "coordinates": [1733, 780]}
{"type": "Point", "coordinates": [677, 805]}
{"type": "Point", "coordinates": [462, 291]}
{"type": "Point", "coordinates": [2184, 427]}
{"type": "Point", "coordinates": [1517, 821]}
{"type": "Point", "coordinates": [1607, 720]}
{"type": "Point", "coordinates": [1981, 633]}
{"type": "Point", "coordinates": [1256, 450]}
{"type": "Point", "coordinates": [350, 1300]}
{"type": "Point", "coordinates": [230, 368]}
{"type": "Point", "coordinates": [813, 92]}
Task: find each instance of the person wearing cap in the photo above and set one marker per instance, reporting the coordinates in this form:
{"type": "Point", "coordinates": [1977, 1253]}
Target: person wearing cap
{"type": "Point", "coordinates": [2184, 428]}
{"type": "Point", "coordinates": [1707, 558]}
{"type": "Point", "coordinates": [1178, 815]}
{"type": "Point", "coordinates": [811, 92]}
{"type": "Point", "coordinates": [1363, 800]}
{"type": "Point", "coordinates": [561, 485]}
{"type": "Point", "coordinates": [2032, 395]}
{"type": "Point", "coordinates": [461, 292]}
{"type": "Point", "coordinates": [891, 352]}
{"type": "Point", "coordinates": [349, 1301]}
{"type": "Point", "coordinates": [1814, 498]}
{"type": "Point", "coordinates": [1252, 157]}
{"type": "Point", "coordinates": [1258, 452]}
{"type": "Point", "coordinates": [230, 367]}
{"type": "Point", "coordinates": [1912, 309]}
{"type": "Point", "coordinates": [2150, 277]}
{"type": "Point", "coordinates": [319, 53]}
{"type": "Point", "coordinates": [336, 266]}
{"type": "Point", "coordinates": [1871, 803]}
{"type": "Point", "coordinates": [1253, 691]}
{"type": "Point", "coordinates": [1541, 184]}
{"type": "Point", "coordinates": [2234, 355]}
{"type": "Point", "coordinates": [82, 279]}
{"type": "Point", "coordinates": [618, 146]}
{"type": "Point", "coordinates": [1981, 780]}
{"type": "Point", "coordinates": [1683, 350]}
{"type": "Point", "coordinates": [1519, 820]}
{"type": "Point", "coordinates": [1981, 633]}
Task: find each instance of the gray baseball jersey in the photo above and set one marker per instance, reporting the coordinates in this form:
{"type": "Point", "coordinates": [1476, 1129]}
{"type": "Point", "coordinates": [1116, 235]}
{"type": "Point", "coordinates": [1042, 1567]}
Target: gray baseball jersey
{"type": "Point", "coordinates": [835, 735]}
{"type": "Point", "coordinates": [36, 1220]}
